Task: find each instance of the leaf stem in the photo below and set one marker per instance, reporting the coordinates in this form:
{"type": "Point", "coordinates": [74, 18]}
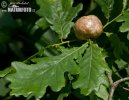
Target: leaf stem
{"type": "Point", "coordinates": [108, 23]}
{"type": "Point", "coordinates": [54, 45]}
{"type": "Point", "coordinates": [34, 55]}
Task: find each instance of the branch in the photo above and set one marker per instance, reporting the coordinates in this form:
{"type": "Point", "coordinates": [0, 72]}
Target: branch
{"type": "Point", "coordinates": [126, 89]}
{"type": "Point", "coordinates": [114, 84]}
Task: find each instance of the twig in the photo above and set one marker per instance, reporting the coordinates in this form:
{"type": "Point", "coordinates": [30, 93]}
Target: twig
{"type": "Point", "coordinates": [114, 84]}
{"type": "Point", "coordinates": [110, 77]}
{"type": "Point", "coordinates": [126, 89]}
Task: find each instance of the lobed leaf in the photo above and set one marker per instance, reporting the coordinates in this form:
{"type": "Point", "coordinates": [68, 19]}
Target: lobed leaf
{"type": "Point", "coordinates": [107, 6]}
{"type": "Point", "coordinates": [59, 14]}
{"type": "Point", "coordinates": [33, 79]}
{"type": "Point", "coordinates": [64, 92]}
{"type": "Point", "coordinates": [93, 67]}
{"type": "Point", "coordinates": [125, 22]}
{"type": "Point", "coordinates": [6, 71]}
{"type": "Point", "coordinates": [122, 65]}
{"type": "Point", "coordinates": [42, 23]}
{"type": "Point", "coordinates": [125, 2]}
{"type": "Point", "coordinates": [119, 47]}
{"type": "Point", "coordinates": [103, 93]}
{"type": "Point", "coordinates": [3, 89]}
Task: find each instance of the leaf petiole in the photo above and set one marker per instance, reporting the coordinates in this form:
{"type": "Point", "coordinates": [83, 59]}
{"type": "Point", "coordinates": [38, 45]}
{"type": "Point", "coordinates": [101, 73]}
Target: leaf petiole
{"type": "Point", "coordinates": [54, 45]}
{"type": "Point", "coordinates": [108, 23]}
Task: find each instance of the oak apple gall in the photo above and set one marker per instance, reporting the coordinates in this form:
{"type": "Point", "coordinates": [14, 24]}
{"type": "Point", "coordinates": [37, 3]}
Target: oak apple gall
{"type": "Point", "coordinates": [88, 27]}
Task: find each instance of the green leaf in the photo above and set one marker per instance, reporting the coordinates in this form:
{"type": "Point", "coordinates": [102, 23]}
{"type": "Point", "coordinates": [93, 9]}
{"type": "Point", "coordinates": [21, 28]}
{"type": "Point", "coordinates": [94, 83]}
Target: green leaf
{"type": "Point", "coordinates": [93, 67]}
{"type": "Point", "coordinates": [64, 92]}
{"type": "Point", "coordinates": [6, 71]}
{"type": "Point", "coordinates": [107, 6]}
{"type": "Point", "coordinates": [62, 95]}
{"type": "Point", "coordinates": [125, 2]}
{"type": "Point", "coordinates": [119, 47]}
{"type": "Point", "coordinates": [102, 93]}
{"type": "Point", "coordinates": [122, 65]}
{"type": "Point", "coordinates": [33, 79]}
{"type": "Point", "coordinates": [48, 38]}
{"type": "Point", "coordinates": [42, 23]}
{"type": "Point", "coordinates": [59, 13]}
{"type": "Point", "coordinates": [125, 21]}
{"type": "Point", "coordinates": [3, 89]}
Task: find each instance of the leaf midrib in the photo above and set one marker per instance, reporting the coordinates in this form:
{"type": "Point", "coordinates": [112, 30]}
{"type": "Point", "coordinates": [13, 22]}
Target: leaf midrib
{"type": "Point", "coordinates": [90, 66]}
{"type": "Point", "coordinates": [71, 53]}
{"type": "Point", "coordinates": [65, 58]}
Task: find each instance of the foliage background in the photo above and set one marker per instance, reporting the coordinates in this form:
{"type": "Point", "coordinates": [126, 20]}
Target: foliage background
{"type": "Point", "coordinates": [40, 57]}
